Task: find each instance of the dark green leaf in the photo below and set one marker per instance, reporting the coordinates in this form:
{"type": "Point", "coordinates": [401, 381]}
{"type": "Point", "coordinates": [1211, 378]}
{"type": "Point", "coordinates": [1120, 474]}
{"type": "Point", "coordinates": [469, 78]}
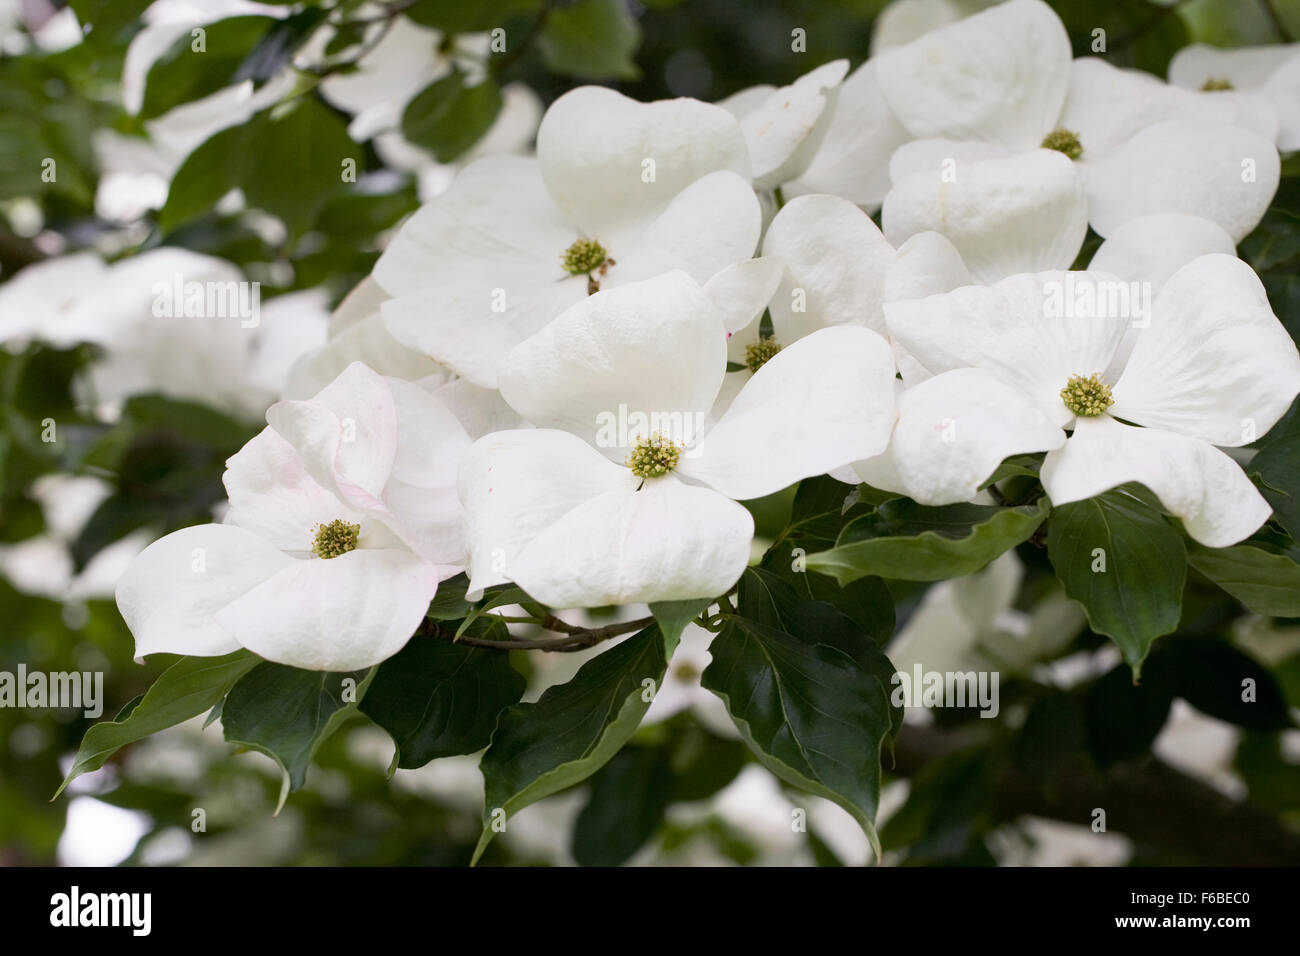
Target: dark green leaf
{"type": "Point", "coordinates": [1273, 780]}
{"type": "Point", "coordinates": [1277, 464]}
{"type": "Point", "coordinates": [278, 44]}
{"type": "Point", "coordinates": [628, 798]}
{"type": "Point", "coordinates": [169, 457]}
{"type": "Point", "coordinates": [286, 713]}
{"type": "Point", "coordinates": [593, 40]}
{"type": "Point", "coordinates": [184, 74]}
{"type": "Point", "coordinates": [1118, 557]}
{"type": "Point", "coordinates": [1265, 582]}
{"type": "Point", "coordinates": [1219, 680]}
{"type": "Point", "coordinates": [703, 763]}
{"type": "Point", "coordinates": [438, 699]}
{"type": "Point", "coordinates": [502, 596]}
{"type": "Point", "coordinates": [457, 16]}
{"type": "Point", "coordinates": [809, 693]}
{"type": "Point", "coordinates": [1133, 34]}
{"type": "Point", "coordinates": [447, 117]}
{"type": "Point", "coordinates": [111, 21]}
{"type": "Point", "coordinates": [903, 540]}
{"type": "Point", "coordinates": [288, 163]}
{"type": "Point", "coordinates": [186, 689]}
{"type": "Point", "coordinates": [1124, 717]}
{"type": "Point", "coordinates": [449, 603]}
{"type": "Point", "coordinates": [572, 730]}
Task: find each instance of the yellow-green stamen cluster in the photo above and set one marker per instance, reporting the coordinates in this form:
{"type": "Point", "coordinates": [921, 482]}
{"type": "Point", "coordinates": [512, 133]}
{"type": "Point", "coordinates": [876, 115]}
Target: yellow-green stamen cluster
{"type": "Point", "coordinates": [1063, 141]}
{"type": "Point", "coordinates": [757, 354]}
{"type": "Point", "coordinates": [584, 257]}
{"type": "Point", "coordinates": [654, 457]}
{"type": "Point", "coordinates": [1088, 397]}
{"type": "Point", "coordinates": [335, 539]}
{"type": "Point", "coordinates": [1214, 84]}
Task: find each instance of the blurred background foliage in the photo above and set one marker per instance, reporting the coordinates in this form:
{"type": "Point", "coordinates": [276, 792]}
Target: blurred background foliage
{"type": "Point", "coordinates": [679, 792]}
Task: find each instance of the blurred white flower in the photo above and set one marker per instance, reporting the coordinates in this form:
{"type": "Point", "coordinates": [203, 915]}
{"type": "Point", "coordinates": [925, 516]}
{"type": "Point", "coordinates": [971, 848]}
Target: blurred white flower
{"type": "Point", "coordinates": [681, 689]}
{"type": "Point", "coordinates": [1034, 841]}
{"type": "Point", "coordinates": [223, 348]}
{"type": "Point", "coordinates": [971, 623]}
{"type": "Point", "coordinates": [1202, 747]}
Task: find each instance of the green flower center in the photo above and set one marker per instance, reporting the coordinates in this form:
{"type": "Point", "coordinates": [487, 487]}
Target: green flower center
{"type": "Point", "coordinates": [758, 354]}
{"type": "Point", "coordinates": [584, 257]}
{"type": "Point", "coordinates": [336, 538]}
{"type": "Point", "coordinates": [654, 457]}
{"type": "Point", "coordinates": [1063, 141]}
{"type": "Point", "coordinates": [1213, 84]}
{"type": "Point", "coordinates": [1088, 397]}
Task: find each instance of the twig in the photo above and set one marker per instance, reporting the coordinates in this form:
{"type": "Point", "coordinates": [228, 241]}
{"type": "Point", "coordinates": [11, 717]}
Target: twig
{"type": "Point", "coordinates": [575, 638]}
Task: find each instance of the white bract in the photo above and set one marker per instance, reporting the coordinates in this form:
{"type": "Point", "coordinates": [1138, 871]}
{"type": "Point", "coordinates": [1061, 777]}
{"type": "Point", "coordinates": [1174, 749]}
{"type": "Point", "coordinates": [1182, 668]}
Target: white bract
{"type": "Point", "coordinates": [852, 160]}
{"type": "Point", "coordinates": [343, 517]}
{"type": "Point", "coordinates": [620, 191]}
{"type": "Point", "coordinates": [1211, 366]}
{"type": "Point", "coordinates": [1268, 74]}
{"type": "Point", "coordinates": [784, 127]}
{"type": "Point", "coordinates": [1002, 81]}
{"type": "Point", "coordinates": [625, 492]}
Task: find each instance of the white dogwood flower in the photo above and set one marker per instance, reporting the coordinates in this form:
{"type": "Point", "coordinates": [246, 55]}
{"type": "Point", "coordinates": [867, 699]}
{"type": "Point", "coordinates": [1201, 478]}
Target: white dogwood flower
{"type": "Point", "coordinates": [620, 191]}
{"type": "Point", "coordinates": [972, 623]}
{"type": "Point", "coordinates": [343, 517]}
{"type": "Point", "coordinates": [1144, 252]}
{"type": "Point", "coordinates": [953, 430]}
{"type": "Point", "coordinates": [1007, 216]}
{"type": "Point", "coordinates": [624, 493]}
{"type": "Point", "coordinates": [168, 320]}
{"type": "Point", "coordinates": [1212, 366]}
{"type": "Point", "coordinates": [1270, 74]}
{"type": "Point", "coordinates": [405, 58]}
{"type": "Point", "coordinates": [1002, 81]}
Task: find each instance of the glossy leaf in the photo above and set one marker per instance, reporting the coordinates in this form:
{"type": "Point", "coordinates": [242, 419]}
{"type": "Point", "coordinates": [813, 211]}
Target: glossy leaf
{"type": "Point", "coordinates": [901, 539]}
{"type": "Point", "coordinates": [286, 713]}
{"type": "Point", "coordinates": [185, 690]}
{"type": "Point", "coordinates": [572, 730]}
{"type": "Point", "coordinates": [808, 692]}
{"type": "Point", "coordinates": [1119, 558]}
{"type": "Point", "coordinates": [448, 117]}
{"type": "Point", "coordinates": [1265, 582]}
{"type": "Point", "coordinates": [438, 699]}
